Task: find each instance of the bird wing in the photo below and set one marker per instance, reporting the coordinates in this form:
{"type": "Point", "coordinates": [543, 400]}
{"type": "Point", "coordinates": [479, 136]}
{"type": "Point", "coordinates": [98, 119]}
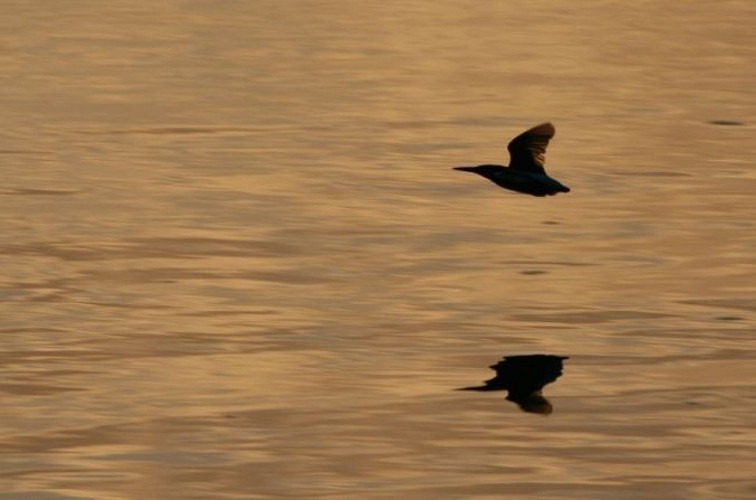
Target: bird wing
{"type": "Point", "coordinates": [527, 151]}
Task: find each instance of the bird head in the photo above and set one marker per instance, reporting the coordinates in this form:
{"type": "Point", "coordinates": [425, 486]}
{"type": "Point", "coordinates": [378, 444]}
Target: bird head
{"type": "Point", "coordinates": [480, 169]}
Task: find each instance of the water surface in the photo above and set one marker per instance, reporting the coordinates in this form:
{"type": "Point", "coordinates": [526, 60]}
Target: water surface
{"type": "Point", "coordinates": [237, 263]}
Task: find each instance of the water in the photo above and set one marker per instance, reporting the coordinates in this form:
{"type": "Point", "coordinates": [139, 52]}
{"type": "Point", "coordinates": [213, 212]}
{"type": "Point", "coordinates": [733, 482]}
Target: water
{"type": "Point", "coordinates": [237, 263]}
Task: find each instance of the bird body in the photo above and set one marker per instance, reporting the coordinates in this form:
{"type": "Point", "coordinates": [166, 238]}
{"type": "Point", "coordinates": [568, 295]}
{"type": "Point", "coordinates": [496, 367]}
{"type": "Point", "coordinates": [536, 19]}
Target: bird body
{"type": "Point", "coordinates": [525, 173]}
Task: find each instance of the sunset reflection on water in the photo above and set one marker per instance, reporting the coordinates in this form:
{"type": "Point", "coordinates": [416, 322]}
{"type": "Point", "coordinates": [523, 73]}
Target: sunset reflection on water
{"type": "Point", "coordinates": [237, 263]}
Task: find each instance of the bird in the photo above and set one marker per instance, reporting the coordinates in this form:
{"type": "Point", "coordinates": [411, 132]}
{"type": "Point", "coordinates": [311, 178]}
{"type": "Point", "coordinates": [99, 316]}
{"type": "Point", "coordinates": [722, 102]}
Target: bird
{"type": "Point", "coordinates": [523, 377]}
{"type": "Point", "coordinates": [525, 173]}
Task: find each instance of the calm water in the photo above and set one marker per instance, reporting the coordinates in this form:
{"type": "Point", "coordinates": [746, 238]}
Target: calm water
{"type": "Point", "coordinates": [236, 262]}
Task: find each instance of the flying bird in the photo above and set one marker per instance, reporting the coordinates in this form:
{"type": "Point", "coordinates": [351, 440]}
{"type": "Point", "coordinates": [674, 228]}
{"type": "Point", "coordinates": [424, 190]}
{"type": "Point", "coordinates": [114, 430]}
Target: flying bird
{"type": "Point", "coordinates": [525, 173]}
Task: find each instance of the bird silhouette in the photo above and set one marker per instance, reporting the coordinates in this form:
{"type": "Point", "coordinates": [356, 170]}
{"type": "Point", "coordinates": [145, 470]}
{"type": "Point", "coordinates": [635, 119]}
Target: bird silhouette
{"type": "Point", "coordinates": [525, 173]}
{"type": "Point", "coordinates": [523, 377]}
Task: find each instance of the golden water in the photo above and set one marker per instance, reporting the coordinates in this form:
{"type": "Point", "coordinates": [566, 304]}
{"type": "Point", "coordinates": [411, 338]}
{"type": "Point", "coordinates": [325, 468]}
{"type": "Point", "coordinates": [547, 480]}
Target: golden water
{"type": "Point", "coordinates": [236, 262]}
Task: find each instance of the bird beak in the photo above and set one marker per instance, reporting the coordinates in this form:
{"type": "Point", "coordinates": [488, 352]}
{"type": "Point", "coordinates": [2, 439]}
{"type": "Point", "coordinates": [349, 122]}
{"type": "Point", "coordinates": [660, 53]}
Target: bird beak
{"type": "Point", "coordinates": [465, 169]}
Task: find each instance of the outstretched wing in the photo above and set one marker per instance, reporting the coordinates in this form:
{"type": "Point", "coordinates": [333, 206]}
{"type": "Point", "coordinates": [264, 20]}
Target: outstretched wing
{"type": "Point", "coordinates": [527, 151]}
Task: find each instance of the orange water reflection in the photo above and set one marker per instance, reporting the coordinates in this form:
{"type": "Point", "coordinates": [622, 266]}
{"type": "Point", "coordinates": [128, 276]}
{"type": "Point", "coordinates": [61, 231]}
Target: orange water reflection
{"type": "Point", "coordinates": [237, 263]}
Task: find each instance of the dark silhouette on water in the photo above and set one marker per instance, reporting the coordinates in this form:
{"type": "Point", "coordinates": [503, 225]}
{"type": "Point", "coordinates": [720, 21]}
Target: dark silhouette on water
{"type": "Point", "coordinates": [523, 377]}
{"type": "Point", "coordinates": [525, 173]}
{"type": "Point", "coordinates": [731, 123]}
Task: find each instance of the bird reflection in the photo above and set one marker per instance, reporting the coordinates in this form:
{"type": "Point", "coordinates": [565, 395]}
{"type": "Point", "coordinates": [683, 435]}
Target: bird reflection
{"type": "Point", "coordinates": [523, 377]}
